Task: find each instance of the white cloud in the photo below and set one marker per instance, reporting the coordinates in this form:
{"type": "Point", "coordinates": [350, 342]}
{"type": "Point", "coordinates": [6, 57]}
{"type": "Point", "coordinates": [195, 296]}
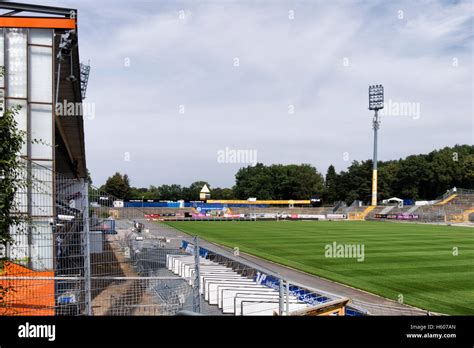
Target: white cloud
{"type": "Point", "coordinates": [282, 62]}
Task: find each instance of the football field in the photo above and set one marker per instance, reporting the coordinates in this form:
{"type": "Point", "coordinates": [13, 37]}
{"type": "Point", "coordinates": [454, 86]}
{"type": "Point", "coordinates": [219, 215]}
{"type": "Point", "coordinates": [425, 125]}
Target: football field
{"type": "Point", "coordinates": [427, 266]}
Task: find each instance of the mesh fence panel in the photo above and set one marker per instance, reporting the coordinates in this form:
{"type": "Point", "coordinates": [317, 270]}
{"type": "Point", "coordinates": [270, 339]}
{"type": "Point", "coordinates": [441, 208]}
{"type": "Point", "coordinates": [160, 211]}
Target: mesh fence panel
{"type": "Point", "coordinates": [75, 253]}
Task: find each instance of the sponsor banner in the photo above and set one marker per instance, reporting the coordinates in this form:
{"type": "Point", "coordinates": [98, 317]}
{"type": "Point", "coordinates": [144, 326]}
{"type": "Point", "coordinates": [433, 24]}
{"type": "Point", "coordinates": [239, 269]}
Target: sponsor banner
{"type": "Point", "coordinates": [201, 208]}
{"type": "Point", "coordinates": [151, 216]}
{"type": "Point", "coordinates": [235, 216]}
{"type": "Point", "coordinates": [199, 216]}
{"type": "Point", "coordinates": [266, 202]}
{"type": "Point", "coordinates": [407, 217]}
{"type": "Point", "coordinates": [336, 216]}
{"type": "Point", "coordinates": [312, 216]}
{"type": "Point", "coordinates": [150, 204]}
{"type": "Point", "coordinates": [269, 215]}
{"type": "Point", "coordinates": [302, 295]}
{"type": "Point", "coordinates": [400, 216]}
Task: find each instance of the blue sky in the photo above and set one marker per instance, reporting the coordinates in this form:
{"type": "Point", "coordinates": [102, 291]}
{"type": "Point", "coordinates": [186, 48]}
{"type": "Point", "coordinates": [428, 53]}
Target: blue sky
{"type": "Point", "coordinates": [315, 58]}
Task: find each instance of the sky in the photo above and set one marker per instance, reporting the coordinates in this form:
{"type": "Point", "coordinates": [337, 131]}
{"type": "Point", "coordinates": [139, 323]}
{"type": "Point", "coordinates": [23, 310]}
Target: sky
{"type": "Point", "coordinates": [182, 91]}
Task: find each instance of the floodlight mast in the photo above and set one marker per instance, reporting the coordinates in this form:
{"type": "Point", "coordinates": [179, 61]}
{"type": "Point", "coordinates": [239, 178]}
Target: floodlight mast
{"type": "Point", "coordinates": [375, 103]}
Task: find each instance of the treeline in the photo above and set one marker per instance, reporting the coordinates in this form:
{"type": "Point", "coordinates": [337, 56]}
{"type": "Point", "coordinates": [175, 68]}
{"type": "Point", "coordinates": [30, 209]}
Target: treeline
{"type": "Point", "coordinates": [119, 186]}
{"type": "Point", "coordinates": [278, 182]}
{"type": "Point", "coordinates": [424, 176]}
{"type": "Point", "coordinates": [414, 177]}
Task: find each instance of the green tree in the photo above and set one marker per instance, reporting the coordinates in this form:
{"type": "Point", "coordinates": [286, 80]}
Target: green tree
{"type": "Point", "coordinates": [118, 185]}
{"type": "Point", "coordinates": [278, 182]}
{"type": "Point", "coordinates": [153, 192]}
{"type": "Point", "coordinates": [356, 182]}
{"type": "Point", "coordinates": [413, 176]}
{"type": "Point", "coordinates": [11, 166]}
{"type": "Point", "coordinates": [139, 193]}
{"type": "Point", "coordinates": [386, 177]}
{"type": "Point", "coordinates": [448, 167]}
{"type": "Point", "coordinates": [330, 185]}
{"type": "Point", "coordinates": [300, 182]}
{"type": "Point", "coordinates": [468, 171]}
{"type": "Point", "coordinates": [253, 182]}
{"type": "Point", "coordinates": [89, 177]}
{"type": "Point", "coordinates": [423, 176]}
{"type": "Point", "coordinates": [222, 193]}
{"type": "Point", "coordinates": [170, 192]}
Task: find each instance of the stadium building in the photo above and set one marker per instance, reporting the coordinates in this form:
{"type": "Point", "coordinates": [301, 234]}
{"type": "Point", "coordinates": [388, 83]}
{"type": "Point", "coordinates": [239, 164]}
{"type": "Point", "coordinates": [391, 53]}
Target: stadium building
{"type": "Point", "coordinates": [42, 69]}
{"type": "Point", "coordinates": [39, 53]}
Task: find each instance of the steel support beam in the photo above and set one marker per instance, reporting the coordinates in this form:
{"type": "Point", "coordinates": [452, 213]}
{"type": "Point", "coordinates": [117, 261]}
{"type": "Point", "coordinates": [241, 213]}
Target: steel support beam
{"type": "Point", "coordinates": [19, 7]}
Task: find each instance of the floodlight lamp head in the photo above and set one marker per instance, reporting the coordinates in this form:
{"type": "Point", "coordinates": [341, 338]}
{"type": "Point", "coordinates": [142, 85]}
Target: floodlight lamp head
{"type": "Point", "coordinates": [67, 42]}
{"type": "Point", "coordinates": [375, 97]}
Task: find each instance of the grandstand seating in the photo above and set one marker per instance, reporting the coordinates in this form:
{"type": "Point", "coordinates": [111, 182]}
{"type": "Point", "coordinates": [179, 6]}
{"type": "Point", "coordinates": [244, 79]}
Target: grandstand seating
{"type": "Point", "coordinates": [222, 286]}
{"type": "Point", "coordinates": [466, 199]}
{"type": "Point", "coordinates": [160, 211]}
{"type": "Point", "coordinates": [360, 213]}
{"type": "Point", "coordinates": [273, 210]}
{"type": "Point", "coordinates": [452, 207]}
{"type": "Point", "coordinates": [239, 290]}
{"type": "Point", "coordinates": [447, 199]}
{"type": "Point", "coordinates": [377, 210]}
{"type": "Point", "coordinates": [455, 208]}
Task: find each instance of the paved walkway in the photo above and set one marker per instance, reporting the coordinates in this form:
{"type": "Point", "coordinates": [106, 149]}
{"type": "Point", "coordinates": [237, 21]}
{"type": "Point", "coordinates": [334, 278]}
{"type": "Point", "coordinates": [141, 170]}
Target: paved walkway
{"type": "Point", "coordinates": [148, 305]}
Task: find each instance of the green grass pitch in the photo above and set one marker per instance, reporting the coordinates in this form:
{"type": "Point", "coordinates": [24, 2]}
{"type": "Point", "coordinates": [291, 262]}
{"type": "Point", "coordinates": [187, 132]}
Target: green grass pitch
{"type": "Point", "coordinates": [416, 261]}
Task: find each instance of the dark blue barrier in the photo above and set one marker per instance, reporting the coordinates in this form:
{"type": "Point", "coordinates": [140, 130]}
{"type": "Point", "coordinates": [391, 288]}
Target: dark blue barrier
{"type": "Point", "coordinates": [109, 225]}
{"type": "Point", "coordinates": [190, 248]}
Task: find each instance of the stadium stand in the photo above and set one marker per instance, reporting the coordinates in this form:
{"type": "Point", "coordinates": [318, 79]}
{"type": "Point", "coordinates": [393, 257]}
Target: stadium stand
{"type": "Point", "coordinates": [222, 286]}
{"type": "Point", "coordinates": [360, 213]}
{"type": "Point", "coordinates": [412, 209]}
{"type": "Point", "coordinates": [447, 199]}
{"type": "Point", "coordinates": [450, 208]}
{"type": "Point", "coordinates": [455, 206]}
{"type": "Point", "coordinates": [386, 210]}
{"type": "Point", "coordinates": [244, 293]}
{"type": "Point", "coordinates": [271, 210]}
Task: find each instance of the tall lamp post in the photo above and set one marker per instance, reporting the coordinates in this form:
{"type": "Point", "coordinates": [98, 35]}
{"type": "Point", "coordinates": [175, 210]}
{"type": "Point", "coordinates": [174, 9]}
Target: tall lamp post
{"type": "Point", "coordinates": [375, 103]}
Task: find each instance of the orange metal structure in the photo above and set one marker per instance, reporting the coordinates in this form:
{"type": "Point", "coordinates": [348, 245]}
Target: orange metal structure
{"type": "Point", "coordinates": [25, 294]}
{"type": "Point", "coordinates": [37, 22]}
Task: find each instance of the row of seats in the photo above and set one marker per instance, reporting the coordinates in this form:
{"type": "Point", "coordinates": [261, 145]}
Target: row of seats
{"type": "Point", "coordinates": [231, 292]}
{"type": "Point", "coordinates": [283, 209]}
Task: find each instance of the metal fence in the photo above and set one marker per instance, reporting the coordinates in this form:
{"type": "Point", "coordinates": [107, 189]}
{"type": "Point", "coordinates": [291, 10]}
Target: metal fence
{"type": "Point", "coordinates": [70, 255]}
{"type": "Point", "coordinates": [45, 259]}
